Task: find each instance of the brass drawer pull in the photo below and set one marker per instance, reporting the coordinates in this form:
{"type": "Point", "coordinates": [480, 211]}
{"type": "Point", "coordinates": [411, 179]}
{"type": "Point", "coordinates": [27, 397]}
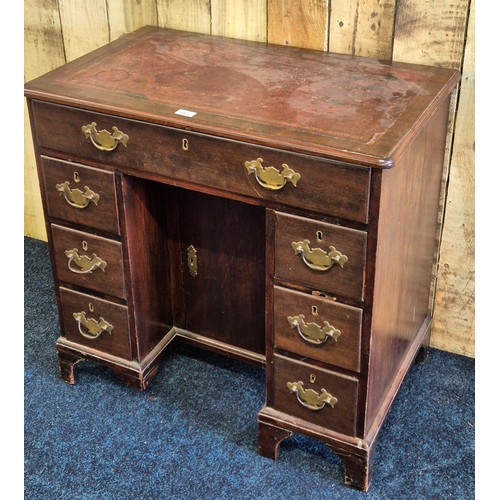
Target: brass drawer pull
{"type": "Point", "coordinates": [104, 140]}
{"type": "Point", "coordinates": [93, 327]}
{"type": "Point", "coordinates": [84, 264]}
{"type": "Point", "coordinates": [318, 259]}
{"type": "Point", "coordinates": [309, 398]}
{"type": "Point", "coordinates": [313, 333]}
{"type": "Point", "coordinates": [270, 177]}
{"type": "Point", "coordinates": [77, 198]}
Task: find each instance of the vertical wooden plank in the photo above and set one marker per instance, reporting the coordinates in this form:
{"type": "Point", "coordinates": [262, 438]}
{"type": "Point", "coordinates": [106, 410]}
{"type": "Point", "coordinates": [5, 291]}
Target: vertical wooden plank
{"type": "Point", "coordinates": [84, 26]}
{"type": "Point", "coordinates": [455, 294]}
{"type": "Point", "coordinates": [43, 43]}
{"type": "Point", "coordinates": [362, 27]}
{"type": "Point", "coordinates": [236, 19]}
{"type": "Point", "coordinates": [129, 15]}
{"type": "Point", "coordinates": [43, 51]}
{"type": "Point", "coordinates": [433, 33]}
{"type": "Point", "coordinates": [302, 23]}
{"type": "Point", "coordinates": [430, 32]}
{"type": "Point", "coordinates": [34, 224]}
{"type": "Point", "coordinates": [188, 15]}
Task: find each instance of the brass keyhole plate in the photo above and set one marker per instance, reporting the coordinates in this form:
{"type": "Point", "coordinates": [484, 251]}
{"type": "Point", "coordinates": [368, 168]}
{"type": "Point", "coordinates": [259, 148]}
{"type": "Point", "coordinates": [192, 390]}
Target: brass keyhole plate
{"type": "Point", "coordinates": [192, 261]}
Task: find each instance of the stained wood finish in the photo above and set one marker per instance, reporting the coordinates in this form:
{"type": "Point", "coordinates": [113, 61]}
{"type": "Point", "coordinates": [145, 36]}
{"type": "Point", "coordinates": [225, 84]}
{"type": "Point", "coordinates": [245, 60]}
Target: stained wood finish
{"type": "Point", "coordinates": [225, 300]}
{"type": "Point", "coordinates": [147, 262]}
{"type": "Point", "coordinates": [357, 468]}
{"type": "Point", "coordinates": [370, 137]}
{"type": "Point", "coordinates": [405, 250]}
{"type": "Point", "coordinates": [346, 281]}
{"type": "Point", "coordinates": [270, 438]}
{"type": "Point", "coordinates": [317, 108]}
{"type": "Point", "coordinates": [108, 279]}
{"type": "Point", "coordinates": [343, 352]}
{"type": "Point", "coordinates": [433, 33]}
{"type": "Point", "coordinates": [131, 373]}
{"type": "Point", "coordinates": [101, 215]}
{"type": "Point", "coordinates": [116, 342]}
{"type": "Point", "coordinates": [324, 186]}
{"type": "Point", "coordinates": [341, 418]}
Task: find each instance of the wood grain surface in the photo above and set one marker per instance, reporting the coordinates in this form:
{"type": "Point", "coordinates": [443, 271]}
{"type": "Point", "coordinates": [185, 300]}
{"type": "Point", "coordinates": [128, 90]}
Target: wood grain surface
{"type": "Point", "coordinates": [424, 32]}
{"type": "Point", "coordinates": [362, 28]}
{"type": "Point", "coordinates": [303, 23]}
{"type": "Point", "coordinates": [454, 308]}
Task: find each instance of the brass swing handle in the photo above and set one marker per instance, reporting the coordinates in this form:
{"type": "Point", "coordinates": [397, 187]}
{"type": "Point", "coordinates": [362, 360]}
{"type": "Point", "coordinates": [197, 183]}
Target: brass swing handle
{"type": "Point", "coordinates": [271, 178]}
{"type": "Point", "coordinates": [104, 140]}
{"type": "Point", "coordinates": [93, 328]}
{"type": "Point", "coordinates": [309, 398]}
{"type": "Point", "coordinates": [316, 258]}
{"type": "Point", "coordinates": [312, 332]}
{"type": "Point", "coordinates": [82, 264]}
{"type": "Point", "coordinates": [77, 198]}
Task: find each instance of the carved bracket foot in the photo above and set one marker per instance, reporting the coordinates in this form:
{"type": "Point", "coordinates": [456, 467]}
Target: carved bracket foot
{"type": "Point", "coordinates": [270, 438]}
{"type": "Point", "coordinates": [67, 364]}
{"type": "Point", "coordinates": [423, 352]}
{"type": "Point", "coordinates": [357, 468]}
{"type": "Point", "coordinates": [422, 355]}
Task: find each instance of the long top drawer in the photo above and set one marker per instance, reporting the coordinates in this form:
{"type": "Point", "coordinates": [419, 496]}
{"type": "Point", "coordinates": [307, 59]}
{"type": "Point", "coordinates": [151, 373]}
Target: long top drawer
{"type": "Point", "coordinates": [311, 183]}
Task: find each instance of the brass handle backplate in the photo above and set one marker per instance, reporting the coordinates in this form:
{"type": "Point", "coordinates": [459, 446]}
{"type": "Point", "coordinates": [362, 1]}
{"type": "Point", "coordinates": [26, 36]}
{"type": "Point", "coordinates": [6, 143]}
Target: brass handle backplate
{"type": "Point", "coordinates": [318, 259]}
{"type": "Point", "coordinates": [81, 264]}
{"type": "Point", "coordinates": [312, 332]}
{"type": "Point", "coordinates": [77, 198]}
{"type": "Point", "coordinates": [271, 178]}
{"type": "Point", "coordinates": [104, 140]}
{"type": "Point", "coordinates": [309, 398]}
{"type": "Point", "coordinates": [93, 328]}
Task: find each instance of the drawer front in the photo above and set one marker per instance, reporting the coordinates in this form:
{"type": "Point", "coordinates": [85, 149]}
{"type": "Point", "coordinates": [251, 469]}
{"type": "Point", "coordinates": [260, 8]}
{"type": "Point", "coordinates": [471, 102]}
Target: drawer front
{"type": "Point", "coordinates": [80, 194]}
{"type": "Point", "coordinates": [95, 323]}
{"type": "Point", "coordinates": [319, 396]}
{"type": "Point", "coordinates": [321, 256]}
{"type": "Point", "coordinates": [317, 328]}
{"type": "Point", "coordinates": [88, 261]}
{"type": "Point", "coordinates": [311, 183]}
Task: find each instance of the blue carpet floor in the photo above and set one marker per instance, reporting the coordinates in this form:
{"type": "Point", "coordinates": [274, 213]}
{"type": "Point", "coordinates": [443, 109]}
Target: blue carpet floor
{"type": "Point", "coordinates": [193, 433]}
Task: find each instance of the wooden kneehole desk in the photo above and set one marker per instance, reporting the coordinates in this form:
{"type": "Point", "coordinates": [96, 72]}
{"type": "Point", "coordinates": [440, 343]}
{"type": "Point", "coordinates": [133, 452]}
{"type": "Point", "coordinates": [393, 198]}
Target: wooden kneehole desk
{"type": "Point", "coordinates": [274, 204]}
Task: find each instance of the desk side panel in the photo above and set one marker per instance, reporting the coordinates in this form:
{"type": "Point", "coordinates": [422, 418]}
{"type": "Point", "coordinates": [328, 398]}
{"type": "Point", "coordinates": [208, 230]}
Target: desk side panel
{"type": "Point", "coordinates": [405, 253]}
{"type": "Point", "coordinates": [147, 259]}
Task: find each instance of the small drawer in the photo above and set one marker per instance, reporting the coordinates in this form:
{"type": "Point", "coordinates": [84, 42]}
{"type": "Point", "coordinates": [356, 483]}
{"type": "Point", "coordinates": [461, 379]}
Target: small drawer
{"type": "Point", "coordinates": [319, 396]}
{"type": "Point", "coordinates": [262, 173]}
{"type": "Point", "coordinates": [88, 261]}
{"type": "Point", "coordinates": [324, 257]}
{"type": "Point", "coordinates": [95, 323]}
{"type": "Point", "coordinates": [317, 328]}
{"type": "Point", "coordinates": [79, 194]}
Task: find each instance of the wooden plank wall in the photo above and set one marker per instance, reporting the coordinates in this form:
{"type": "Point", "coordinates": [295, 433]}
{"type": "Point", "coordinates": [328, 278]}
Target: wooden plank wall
{"type": "Point", "coordinates": [417, 31]}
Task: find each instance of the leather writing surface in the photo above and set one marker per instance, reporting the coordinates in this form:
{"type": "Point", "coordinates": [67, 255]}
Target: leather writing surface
{"type": "Point", "coordinates": [356, 105]}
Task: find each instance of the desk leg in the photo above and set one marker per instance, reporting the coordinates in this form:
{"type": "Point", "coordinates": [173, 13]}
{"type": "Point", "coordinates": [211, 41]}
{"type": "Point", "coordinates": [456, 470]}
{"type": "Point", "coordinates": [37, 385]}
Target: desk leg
{"type": "Point", "coordinates": [423, 352]}
{"type": "Point", "coordinates": [67, 362]}
{"type": "Point", "coordinates": [270, 438]}
{"type": "Point", "coordinates": [357, 468]}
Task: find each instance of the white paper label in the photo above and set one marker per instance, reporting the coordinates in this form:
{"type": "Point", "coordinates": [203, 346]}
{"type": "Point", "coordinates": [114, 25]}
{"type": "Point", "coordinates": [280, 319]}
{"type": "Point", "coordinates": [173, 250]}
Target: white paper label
{"type": "Point", "coordinates": [185, 112]}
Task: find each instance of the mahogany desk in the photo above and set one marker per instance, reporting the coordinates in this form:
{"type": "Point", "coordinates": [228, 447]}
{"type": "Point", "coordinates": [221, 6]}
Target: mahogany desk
{"type": "Point", "coordinates": [275, 204]}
